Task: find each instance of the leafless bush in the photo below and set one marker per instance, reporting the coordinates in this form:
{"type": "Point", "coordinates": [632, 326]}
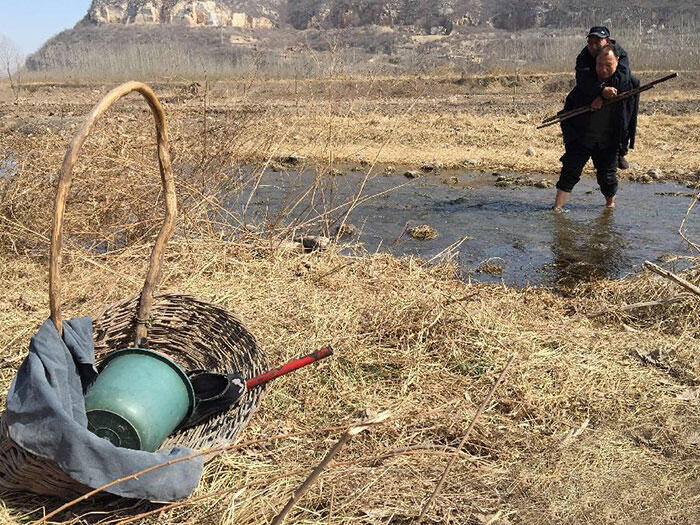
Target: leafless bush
{"type": "Point", "coordinates": [11, 61]}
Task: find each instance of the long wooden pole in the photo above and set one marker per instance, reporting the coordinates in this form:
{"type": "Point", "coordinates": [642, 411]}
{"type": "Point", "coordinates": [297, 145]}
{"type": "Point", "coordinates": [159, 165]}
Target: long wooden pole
{"type": "Point", "coordinates": [562, 116]}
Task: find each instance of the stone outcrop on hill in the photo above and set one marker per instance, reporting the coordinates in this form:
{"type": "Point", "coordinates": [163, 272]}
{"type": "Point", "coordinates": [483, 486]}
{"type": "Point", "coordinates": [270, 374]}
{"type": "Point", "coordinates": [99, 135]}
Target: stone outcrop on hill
{"type": "Point", "coordinates": [431, 16]}
{"type": "Point", "coordinates": [177, 35]}
{"type": "Point", "coordinates": [185, 12]}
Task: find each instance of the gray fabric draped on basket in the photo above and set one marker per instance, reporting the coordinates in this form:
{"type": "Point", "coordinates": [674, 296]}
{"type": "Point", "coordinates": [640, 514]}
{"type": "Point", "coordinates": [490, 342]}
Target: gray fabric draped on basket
{"type": "Point", "coordinates": [194, 333]}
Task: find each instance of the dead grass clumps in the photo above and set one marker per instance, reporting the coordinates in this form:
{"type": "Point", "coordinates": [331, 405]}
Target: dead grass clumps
{"type": "Point", "coordinates": [583, 429]}
{"type": "Point", "coordinates": [579, 418]}
{"type": "Point", "coordinates": [424, 232]}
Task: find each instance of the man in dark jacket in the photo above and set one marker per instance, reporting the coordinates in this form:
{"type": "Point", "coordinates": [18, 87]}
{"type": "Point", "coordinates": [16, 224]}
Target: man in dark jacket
{"type": "Point", "coordinates": [587, 79]}
{"type": "Point", "coordinates": [598, 134]}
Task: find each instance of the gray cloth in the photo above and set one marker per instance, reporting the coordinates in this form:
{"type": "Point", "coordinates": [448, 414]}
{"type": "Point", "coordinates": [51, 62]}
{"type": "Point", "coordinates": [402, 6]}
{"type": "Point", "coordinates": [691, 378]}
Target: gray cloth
{"type": "Point", "coordinates": [46, 416]}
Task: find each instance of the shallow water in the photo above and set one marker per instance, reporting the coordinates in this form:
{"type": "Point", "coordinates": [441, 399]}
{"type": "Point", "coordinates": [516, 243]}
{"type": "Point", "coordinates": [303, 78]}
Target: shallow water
{"type": "Point", "coordinates": [8, 166]}
{"type": "Point", "coordinates": [511, 227]}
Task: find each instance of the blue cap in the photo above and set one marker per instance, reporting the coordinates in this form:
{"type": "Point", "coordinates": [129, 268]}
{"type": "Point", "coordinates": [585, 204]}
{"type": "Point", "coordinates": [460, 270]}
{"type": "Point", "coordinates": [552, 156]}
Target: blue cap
{"type": "Point", "coordinates": [599, 31]}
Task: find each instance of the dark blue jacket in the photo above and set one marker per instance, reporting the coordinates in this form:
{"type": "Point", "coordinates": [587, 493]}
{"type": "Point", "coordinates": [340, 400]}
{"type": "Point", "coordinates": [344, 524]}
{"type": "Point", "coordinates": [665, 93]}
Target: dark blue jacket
{"type": "Point", "coordinates": [586, 77]}
{"type": "Point", "coordinates": [625, 111]}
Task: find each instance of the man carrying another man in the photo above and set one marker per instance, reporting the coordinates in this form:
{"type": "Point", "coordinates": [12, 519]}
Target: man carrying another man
{"type": "Point", "coordinates": [599, 134]}
{"type": "Point", "coordinates": [587, 80]}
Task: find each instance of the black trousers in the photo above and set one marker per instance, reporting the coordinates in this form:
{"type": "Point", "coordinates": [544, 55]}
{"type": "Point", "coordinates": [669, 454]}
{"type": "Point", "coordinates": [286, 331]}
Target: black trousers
{"type": "Point", "coordinates": [604, 161]}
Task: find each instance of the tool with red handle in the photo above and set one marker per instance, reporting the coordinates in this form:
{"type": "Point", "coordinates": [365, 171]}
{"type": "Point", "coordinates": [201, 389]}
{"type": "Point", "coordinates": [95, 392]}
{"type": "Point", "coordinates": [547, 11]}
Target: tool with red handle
{"type": "Point", "coordinates": [291, 366]}
{"type": "Point", "coordinates": [216, 392]}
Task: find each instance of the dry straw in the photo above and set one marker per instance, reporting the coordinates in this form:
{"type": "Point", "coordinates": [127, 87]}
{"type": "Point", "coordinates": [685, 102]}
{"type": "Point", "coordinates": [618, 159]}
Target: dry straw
{"type": "Point", "coordinates": [596, 422]}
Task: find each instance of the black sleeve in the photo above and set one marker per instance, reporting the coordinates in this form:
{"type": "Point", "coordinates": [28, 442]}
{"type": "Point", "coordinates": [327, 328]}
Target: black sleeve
{"type": "Point", "coordinates": [623, 64]}
{"type": "Point", "coordinates": [586, 77]}
{"type": "Point", "coordinates": [621, 80]}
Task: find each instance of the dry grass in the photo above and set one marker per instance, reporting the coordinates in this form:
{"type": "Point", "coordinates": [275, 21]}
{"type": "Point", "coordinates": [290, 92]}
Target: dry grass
{"type": "Point", "coordinates": [487, 122]}
{"type": "Point", "coordinates": [583, 430]}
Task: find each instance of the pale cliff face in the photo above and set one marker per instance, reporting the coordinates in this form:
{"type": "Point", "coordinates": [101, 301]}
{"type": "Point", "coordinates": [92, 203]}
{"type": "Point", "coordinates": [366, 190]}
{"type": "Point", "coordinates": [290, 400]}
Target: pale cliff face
{"type": "Point", "coordinates": [182, 12]}
{"type": "Point", "coordinates": [299, 13]}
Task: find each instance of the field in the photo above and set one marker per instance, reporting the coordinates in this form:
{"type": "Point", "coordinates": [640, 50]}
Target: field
{"type": "Point", "coordinates": [597, 418]}
{"type": "Point", "coordinates": [485, 122]}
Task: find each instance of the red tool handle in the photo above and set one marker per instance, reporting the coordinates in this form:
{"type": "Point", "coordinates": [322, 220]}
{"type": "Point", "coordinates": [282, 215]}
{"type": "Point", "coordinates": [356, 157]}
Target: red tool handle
{"type": "Point", "coordinates": [294, 364]}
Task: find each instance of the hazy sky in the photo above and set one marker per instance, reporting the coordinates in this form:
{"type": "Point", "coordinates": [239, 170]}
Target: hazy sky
{"type": "Point", "coordinates": [29, 23]}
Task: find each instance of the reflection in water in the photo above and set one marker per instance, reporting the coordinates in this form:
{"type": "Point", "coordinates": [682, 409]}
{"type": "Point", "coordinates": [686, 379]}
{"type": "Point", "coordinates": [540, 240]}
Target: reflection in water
{"type": "Point", "coordinates": [586, 251]}
{"type": "Point", "coordinates": [515, 226]}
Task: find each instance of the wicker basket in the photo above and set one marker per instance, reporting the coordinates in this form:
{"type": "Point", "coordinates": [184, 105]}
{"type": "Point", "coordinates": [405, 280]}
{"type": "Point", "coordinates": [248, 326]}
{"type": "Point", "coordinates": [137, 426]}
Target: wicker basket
{"type": "Point", "coordinates": [194, 333]}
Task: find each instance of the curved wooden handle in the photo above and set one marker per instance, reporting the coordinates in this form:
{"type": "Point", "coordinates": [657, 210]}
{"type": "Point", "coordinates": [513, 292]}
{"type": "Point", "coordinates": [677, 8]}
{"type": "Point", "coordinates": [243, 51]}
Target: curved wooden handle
{"type": "Point", "coordinates": [64, 182]}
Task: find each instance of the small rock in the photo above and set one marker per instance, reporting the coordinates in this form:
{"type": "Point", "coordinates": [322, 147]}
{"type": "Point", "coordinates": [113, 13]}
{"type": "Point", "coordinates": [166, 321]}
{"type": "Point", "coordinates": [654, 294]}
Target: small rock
{"type": "Point", "coordinates": [312, 243]}
{"type": "Point", "coordinates": [450, 180]}
{"type": "Point", "coordinates": [504, 181]}
{"type": "Point", "coordinates": [423, 232]}
{"type": "Point", "coordinates": [490, 268]}
{"type": "Point", "coordinates": [471, 162]}
{"type": "Point", "coordinates": [364, 162]}
{"type": "Point", "coordinates": [335, 173]}
{"type": "Point", "coordinates": [389, 170]}
{"type": "Point", "coordinates": [644, 179]}
{"type": "Point", "coordinates": [347, 230]}
{"type": "Point", "coordinates": [276, 166]}
{"type": "Point", "coordinates": [544, 183]}
{"type": "Point", "coordinates": [655, 174]}
{"type": "Point", "coordinates": [292, 159]}
{"type": "Point", "coordinates": [431, 166]}
{"type": "Point", "coordinates": [530, 151]}
{"type": "Point", "coordinates": [412, 174]}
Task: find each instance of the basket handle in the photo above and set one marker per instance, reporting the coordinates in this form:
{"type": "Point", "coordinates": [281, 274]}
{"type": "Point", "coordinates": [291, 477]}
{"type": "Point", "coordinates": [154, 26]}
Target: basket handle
{"type": "Point", "coordinates": [166, 175]}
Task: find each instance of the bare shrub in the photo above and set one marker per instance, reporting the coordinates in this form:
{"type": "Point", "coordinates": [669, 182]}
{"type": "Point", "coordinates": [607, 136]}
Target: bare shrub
{"type": "Point", "coordinates": [11, 61]}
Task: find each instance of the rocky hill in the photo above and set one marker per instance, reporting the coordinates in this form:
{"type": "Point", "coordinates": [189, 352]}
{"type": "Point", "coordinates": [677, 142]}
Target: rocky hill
{"type": "Point", "coordinates": [432, 15]}
{"type": "Point", "coordinates": [177, 37]}
{"type": "Point", "coordinates": [245, 13]}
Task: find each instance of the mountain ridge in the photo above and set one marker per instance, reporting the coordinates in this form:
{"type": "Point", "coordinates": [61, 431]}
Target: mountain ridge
{"type": "Point", "coordinates": [433, 16]}
{"type": "Point", "coordinates": [172, 36]}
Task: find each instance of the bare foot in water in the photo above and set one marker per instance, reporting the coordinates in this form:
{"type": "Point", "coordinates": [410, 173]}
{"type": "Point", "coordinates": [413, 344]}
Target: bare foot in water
{"type": "Point", "coordinates": [610, 202]}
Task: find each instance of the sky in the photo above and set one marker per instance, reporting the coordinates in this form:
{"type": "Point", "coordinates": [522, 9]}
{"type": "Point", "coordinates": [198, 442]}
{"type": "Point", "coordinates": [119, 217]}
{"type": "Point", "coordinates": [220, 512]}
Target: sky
{"type": "Point", "coordinates": [30, 23]}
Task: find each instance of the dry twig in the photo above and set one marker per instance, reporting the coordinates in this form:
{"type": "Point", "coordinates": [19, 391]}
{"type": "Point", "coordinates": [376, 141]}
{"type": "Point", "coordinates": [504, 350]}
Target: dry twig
{"type": "Point", "coordinates": [673, 277]}
{"type": "Point", "coordinates": [464, 439]}
{"type": "Point", "coordinates": [279, 519]}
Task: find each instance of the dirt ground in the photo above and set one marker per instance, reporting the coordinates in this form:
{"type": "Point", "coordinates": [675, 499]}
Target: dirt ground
{"type": "Point", "coordinates": [597, 419]}
{"type": "Point", "coordinates": [473, 122]}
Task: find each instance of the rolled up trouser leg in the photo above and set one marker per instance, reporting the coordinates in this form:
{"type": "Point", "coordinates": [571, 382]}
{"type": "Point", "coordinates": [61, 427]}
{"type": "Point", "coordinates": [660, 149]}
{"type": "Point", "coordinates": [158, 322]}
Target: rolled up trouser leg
{"type": "Point", "coordinates": [572, 163]}
{"type": "Point", "coordinates": [605, 162]}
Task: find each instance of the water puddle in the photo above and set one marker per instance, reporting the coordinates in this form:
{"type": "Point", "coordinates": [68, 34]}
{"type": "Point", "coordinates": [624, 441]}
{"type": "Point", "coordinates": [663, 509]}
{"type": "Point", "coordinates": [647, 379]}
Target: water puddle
{"type": "Point", "coordinates": [8, 166]}
{"type": "Point", "coordinates": [513, 234]}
